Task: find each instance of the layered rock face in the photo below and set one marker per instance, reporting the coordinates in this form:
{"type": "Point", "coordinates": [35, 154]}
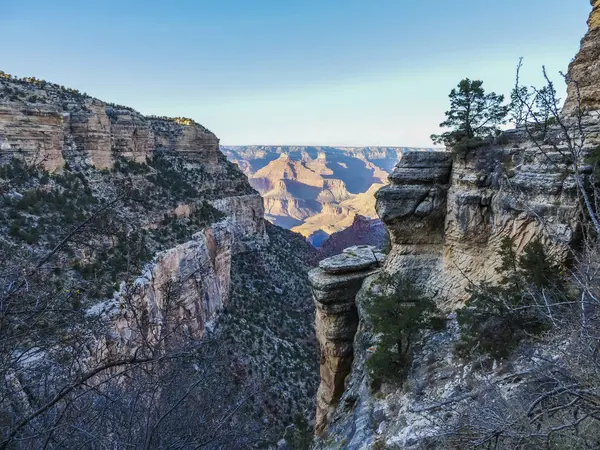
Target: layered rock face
{"type": "Point", "coordinates": [192, 227]}
{"type": "Point", "coordinates": [335, 284]}
{"type": "Point", "coordinates": [447, 216]}
{"type": "Point", "coordinates": [245, 214]}
{"type": "Point", "coordinates": [52, 124]}
{"type": "Point", "coordinates": [36, 133]}
{"type": "Point", "coordinates": [317, 191]}
{"type": "Point", "coordinates": [584, 73]}
{"type": "Point", "coordinates": [184, 288]}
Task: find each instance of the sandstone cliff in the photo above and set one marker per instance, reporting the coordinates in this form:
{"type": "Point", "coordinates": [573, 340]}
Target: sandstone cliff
{"type": "Point", "coordinates": [173, 258]}
{"type": "Point", "coordinates": [584, 75]}
{"type": "Point", "coordinates": [56, 127]}
{"type": "Point", "coordinates": [447, 216]}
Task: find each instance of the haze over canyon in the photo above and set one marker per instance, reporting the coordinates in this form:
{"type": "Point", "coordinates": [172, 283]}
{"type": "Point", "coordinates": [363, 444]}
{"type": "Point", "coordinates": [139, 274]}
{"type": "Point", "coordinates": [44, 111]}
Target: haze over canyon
{"type": "Point", "coordinates": [317, 191]}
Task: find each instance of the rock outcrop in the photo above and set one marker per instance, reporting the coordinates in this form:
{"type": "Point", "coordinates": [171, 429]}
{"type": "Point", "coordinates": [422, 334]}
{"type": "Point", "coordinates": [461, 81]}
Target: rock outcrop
{"type": "Point", "coordinates": [184, 288]}
{"type": "Point", "coordinates": [245, 213]}
{"type": "Point", "coordinates": [316, 191]}
{"type": "Point", "coordinates": [53, 125]}
{"type": "Point", "coordinates": [335, 284]}
{"type": "Point", "coordinates": [447, 216]}
{"type": "Point", "coordinates": [584, 73]}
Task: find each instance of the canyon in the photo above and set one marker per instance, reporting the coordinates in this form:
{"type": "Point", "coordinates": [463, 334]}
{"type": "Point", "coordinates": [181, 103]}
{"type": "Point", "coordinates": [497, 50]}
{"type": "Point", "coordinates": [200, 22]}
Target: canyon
{"type": "Point", "coordinates": [160, 290]}
{"type": "Point", "coordinates": [154, 250]}
{"type": "Point", "coordinates": [317, 191]}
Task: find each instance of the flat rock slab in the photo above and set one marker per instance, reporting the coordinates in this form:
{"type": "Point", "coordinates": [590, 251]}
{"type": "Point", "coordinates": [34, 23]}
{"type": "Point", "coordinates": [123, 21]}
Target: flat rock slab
{"type": "Point", "coordinates": [353, 259]}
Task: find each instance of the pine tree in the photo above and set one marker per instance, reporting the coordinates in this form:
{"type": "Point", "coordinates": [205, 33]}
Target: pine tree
{"type": "Point", "coordinates": [472, 117]}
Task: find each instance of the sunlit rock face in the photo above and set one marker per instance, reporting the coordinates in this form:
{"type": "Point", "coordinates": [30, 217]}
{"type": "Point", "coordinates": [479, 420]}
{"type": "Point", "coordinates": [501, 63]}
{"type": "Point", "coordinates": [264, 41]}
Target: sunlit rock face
{"type": "Point", "coordinates": [51, 125]}
{"type": "Point", "coordinates": [36, 133]}
{"type": "Point", "coordinates": [316, 191]}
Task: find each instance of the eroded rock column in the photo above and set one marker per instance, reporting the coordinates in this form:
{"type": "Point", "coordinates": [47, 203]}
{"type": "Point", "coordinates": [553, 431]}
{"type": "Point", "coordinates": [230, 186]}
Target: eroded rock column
{"type": "Point", "coordinates": [413, 208]}
{"type": "Point", "coordinates": [335, 284]}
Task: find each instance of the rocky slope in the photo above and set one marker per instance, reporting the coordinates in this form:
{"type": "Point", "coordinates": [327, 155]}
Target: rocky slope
{"type": "Point", "coordinates": [316, 191]}
{"type": "Point", "coordinates": [161, 235]}
{"type": "Point", "coordinates": [61, 130]}
{"type": "Point", "coordinates": [447, 216]}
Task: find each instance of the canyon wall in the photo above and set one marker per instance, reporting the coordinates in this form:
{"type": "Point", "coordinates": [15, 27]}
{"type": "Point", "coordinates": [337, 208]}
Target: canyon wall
{"type": "Point", "coordinates": [53, 125]}
{"type": "Point", "coordinates": [584, 74]}
{"type": "Point", "coordinates": [175, 265]}
{"type": "Point", "coordinates": [63, 130]}
{"type": "Point", "coordinates": [184, 288]}
{"type": "Point", "coordinates": [447, 215]}
{"type": "Point", "coordinates": [317, 191]}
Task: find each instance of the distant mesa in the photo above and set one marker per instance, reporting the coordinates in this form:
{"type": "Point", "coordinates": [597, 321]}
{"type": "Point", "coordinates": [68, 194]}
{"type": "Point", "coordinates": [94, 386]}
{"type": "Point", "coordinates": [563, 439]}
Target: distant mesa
{"type": "Point", "coordinates": [318, 191]}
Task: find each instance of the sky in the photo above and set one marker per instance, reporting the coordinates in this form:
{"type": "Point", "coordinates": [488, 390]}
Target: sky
{"type": "Point", "coordinates": [291, 72]}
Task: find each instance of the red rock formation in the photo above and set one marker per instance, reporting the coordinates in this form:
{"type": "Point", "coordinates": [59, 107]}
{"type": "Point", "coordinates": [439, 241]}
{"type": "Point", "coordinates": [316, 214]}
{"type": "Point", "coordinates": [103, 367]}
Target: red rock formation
{"type": "Point", "coordinates": [363, 231]}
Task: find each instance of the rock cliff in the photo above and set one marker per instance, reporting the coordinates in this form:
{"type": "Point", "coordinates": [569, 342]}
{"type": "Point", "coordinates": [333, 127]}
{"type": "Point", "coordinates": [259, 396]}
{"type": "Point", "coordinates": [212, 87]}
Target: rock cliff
{"type": "Point", "coordinates": [59, 128]}
{"type": "Point", "coordinates": [584, 75]}
{"type": "Point", "coordinates": [316, 191]}
{"type": "Point", "coordinates": [447, 215]}
{"type": "Point", "coordinates": [174, 254]}
{"type": "Point", "coordinates": [335, 284]}
{"type": "Point", "coordinates": [446, 218]}
{"type": "Point", "coordinates": [55, 125]}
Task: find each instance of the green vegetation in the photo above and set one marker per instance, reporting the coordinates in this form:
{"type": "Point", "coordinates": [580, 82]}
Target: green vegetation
{"type": "Point", "coordinates": [42, 207]}
{"type": "Point", "coordinates": [473, 117]}
{"type": "Point", "coordinates": [498, 316]}
{"type": "Point", "coordinates": [302, 436]}
{"type": "Point", "coordinates": [270, 320]}
{"type": "Point", "coordinates": [17, 95]}
{"type": "Point", "coordinates": [398, 315]}
{"type": "Point", "coordinates": [171, 176]}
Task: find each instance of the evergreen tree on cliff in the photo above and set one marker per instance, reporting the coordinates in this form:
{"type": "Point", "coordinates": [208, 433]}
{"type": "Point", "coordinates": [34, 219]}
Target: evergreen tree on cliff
{"type": "Point", "coordinates": [472, 117]}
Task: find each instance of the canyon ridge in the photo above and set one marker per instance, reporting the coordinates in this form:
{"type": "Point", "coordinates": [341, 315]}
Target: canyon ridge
{"type": "Point", "coordinates": [317, 191]}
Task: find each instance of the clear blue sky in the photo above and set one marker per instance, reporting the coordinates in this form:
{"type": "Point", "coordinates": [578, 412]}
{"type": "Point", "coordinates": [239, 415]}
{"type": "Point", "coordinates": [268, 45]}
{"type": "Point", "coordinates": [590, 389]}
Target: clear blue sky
{"type": "Point", "coordinates": [322, 72]}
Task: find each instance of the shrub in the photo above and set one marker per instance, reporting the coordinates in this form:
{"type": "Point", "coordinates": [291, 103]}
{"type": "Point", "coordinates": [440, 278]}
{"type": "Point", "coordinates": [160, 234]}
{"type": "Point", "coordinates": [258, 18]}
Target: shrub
{"type": "Point", "coordinates": [474, 116]}
{"type": "Point", "coordinates": [398, 316]}
{"type": "Point", "coordinates": [498, 316]}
